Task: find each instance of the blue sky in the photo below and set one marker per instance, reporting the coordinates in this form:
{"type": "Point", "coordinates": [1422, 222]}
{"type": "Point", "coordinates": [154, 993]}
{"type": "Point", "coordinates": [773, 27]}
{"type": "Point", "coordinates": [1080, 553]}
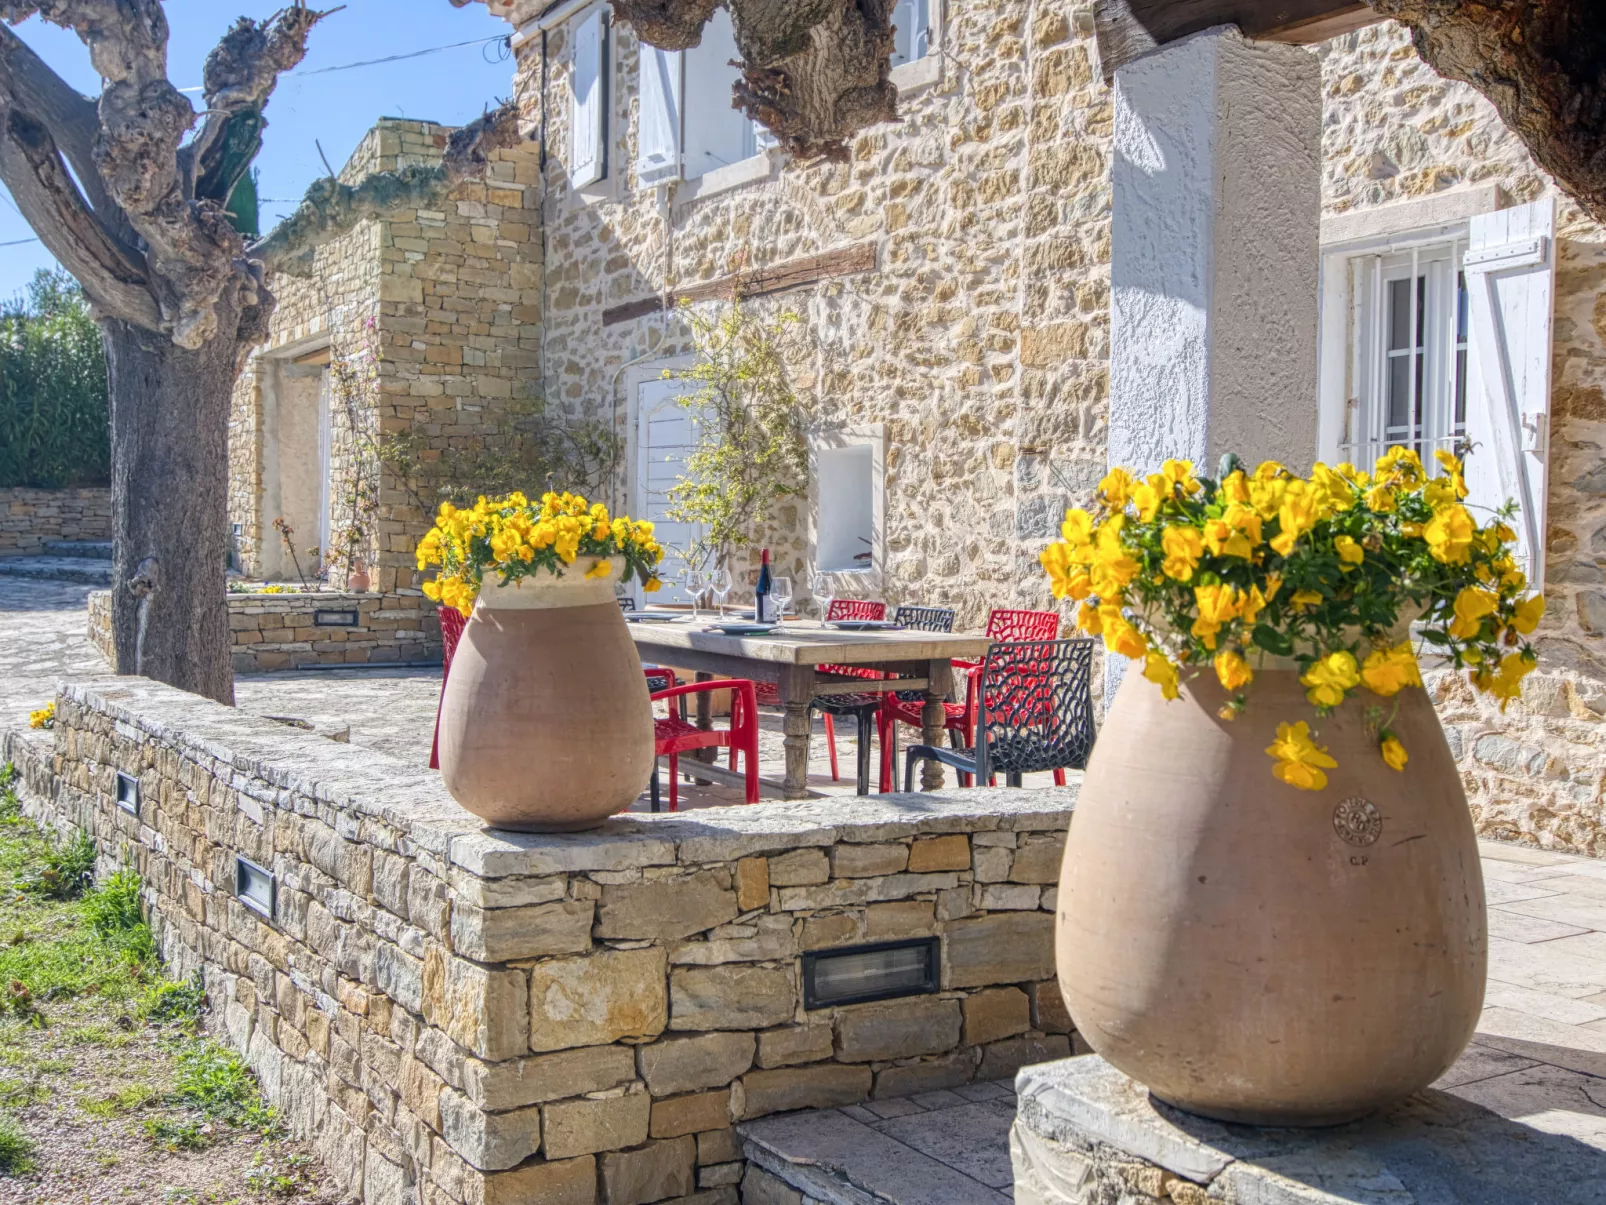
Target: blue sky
{"type": "Point", "coordinates": [336, 109]}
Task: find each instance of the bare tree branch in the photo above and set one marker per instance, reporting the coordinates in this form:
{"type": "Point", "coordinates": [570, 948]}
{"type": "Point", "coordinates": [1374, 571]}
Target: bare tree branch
{"type": "Point", "coordinates": [332, 208]}
{"type": "Point", "coordinates": [667, 24]}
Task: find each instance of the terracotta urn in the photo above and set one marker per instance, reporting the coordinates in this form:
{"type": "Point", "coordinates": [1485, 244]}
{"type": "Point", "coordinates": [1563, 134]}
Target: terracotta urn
{"type": "Point", "coordinates": [1256, 953]}
{"type": "Point", "coordinates": [545, 723]}
{"type": "Point", "coordinates": [357, 580]}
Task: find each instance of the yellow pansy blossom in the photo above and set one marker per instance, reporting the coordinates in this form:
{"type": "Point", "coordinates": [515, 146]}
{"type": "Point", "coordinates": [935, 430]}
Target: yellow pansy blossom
{"type": "Point", "coordinates": [1157, 668]}
{"type": "Point", "coordinates": [1304, 599]}
{"type": "Point", "coordinates": [1394, 752]}
{"type": "Point", "coordinates": [1147, 498]}
{"type": "Point", "coordinates": [1449, 534]}
{"type": "Point", "coordinates": [601, 568]}
{"type": "Point", "coordinates": [1526, 615]}
{"type": "Point", "coordinates": [1350, 554]}
{"type": "Point", "coordinates": [1077, 529]}
{"type": "Point", "coordinates": [1401, 464]}
{"type": "Point", "coordinates": [1504, 681]}
{"type": "Point", "coordinates": [1232, 671]}
{"type": "Point", "coordinates": [1178, 475]}
{"type": "Point", "coordinates": [1235, 488]}
{"type": "Point", "coordinates": [1119, 635]}
{"type": "Point", "coordinates": [1183, 547]}
{"type": "Point", "coordinates": [1381, 499]}
{"type": "Point", "coordinates": [1330, 677]}
{"type": "Point", "coordinates": [1300, 760]}
{"type": "Point", "coordinates": [1088, 619]}
{"type": "Point", "coordinates": [1297, 515]}
{"type": "Point", "coordinates": [1471, 606]}
{"type": "Point", "coordinates": [1116, 488]}
{"type": "Point", "coordinates": [1387, 671]}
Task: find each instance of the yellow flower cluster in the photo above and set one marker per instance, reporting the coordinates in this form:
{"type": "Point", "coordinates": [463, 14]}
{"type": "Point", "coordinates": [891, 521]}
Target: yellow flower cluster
{"type": "Point", "coordinates": [516, 538]}
{"type": "Point", "coordinates": [1176, 571]}
{"type": "Point", "coordinates": [45, 717]}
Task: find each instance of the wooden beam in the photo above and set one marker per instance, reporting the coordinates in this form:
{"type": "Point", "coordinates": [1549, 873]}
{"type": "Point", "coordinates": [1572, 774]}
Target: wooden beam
{"type": "Point", "coordinates": [1128, 28]}
{"type": "Point", "coordinates": [756, 282]}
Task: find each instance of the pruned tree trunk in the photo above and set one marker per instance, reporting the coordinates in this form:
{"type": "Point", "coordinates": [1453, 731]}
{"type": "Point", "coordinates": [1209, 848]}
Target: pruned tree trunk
{"type": "Point", "coordinates": [170, 457]}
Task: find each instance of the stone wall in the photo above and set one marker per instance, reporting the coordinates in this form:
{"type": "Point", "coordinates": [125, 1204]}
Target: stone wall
{"type": "Point", "coordinates": [978, 342]}
{"type": "Point", "coordinates": [30, 517]}
{"type": "Point", "coordinates": [283, 631]}
{"type": "Point", "coordinates": [457, 1015]}
{"type": "Point", "coordinates": [1395, 130]}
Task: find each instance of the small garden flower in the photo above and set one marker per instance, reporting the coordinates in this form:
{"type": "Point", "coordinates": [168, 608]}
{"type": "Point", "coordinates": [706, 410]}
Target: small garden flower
{"type": "Point", "coordinates": [1181, 572]}
{"type": "Point", "coordinates": [45, 717]}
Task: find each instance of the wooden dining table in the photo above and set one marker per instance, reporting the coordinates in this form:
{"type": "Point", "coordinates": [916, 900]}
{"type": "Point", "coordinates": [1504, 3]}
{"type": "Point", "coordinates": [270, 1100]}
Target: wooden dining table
{"type": "Point", "coordinates": [792, 657]}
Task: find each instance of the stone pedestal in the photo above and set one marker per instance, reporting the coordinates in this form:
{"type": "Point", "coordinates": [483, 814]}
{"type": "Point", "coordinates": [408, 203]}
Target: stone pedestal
{"type": "Point", "coordinates": [1085, 1134]}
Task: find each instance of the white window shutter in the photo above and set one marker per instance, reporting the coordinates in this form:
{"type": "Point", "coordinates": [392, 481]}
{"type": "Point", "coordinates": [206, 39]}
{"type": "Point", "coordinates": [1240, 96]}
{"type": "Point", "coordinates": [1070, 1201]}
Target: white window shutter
{"type": "Point", "coordinates": [1510, 267]}
{"type": "Point", "coordinates": [589, 161]}
{"type": "Point", "coordinates": [911, 37]}
{"type": "Point", "coordinates": [763, 139]}
{"type": "Point", "coordinates": [658, 130]}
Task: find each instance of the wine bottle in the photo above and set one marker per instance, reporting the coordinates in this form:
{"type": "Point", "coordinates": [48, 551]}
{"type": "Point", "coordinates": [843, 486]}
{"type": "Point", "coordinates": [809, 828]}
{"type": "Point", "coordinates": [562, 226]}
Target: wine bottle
{"type": "Point", "coordinates": [764, 608]}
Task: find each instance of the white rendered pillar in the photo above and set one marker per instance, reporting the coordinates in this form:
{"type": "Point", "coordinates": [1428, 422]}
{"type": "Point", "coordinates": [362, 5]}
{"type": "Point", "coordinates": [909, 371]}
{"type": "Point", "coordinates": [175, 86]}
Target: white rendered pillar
{"type": "Point", "coordinates": [1214, 253]}
{"type": "Point", "coordinates": [1214, 256]}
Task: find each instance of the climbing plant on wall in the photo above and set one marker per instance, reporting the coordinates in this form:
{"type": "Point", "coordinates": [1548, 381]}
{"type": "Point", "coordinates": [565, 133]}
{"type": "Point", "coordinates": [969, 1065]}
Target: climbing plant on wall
{"type": "Point", "coordinates": [751, 452]}
{"type": "Point", "coordinates": [53, 418]}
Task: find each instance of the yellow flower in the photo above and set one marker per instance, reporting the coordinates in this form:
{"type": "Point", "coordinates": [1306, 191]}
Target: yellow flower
{"type": "Point", "coordinates": [1218, 605]}
{"type": "Point", "coordinates": [1402, 464]}
{"type": "Point", "coordinates": [652, 585]}
{"type": "Point", "coordinates": [1505, 681]}
{"type": "Point", "coordinates": [1113, 568]}
{"type": "Point", "coordinates": [1236, 488]}
{"type": "Point", "coordinates": [1234, 534]}
{"type": "Point", "coordinates": [600, 568]}
{"type": "Point", "coordinates": [1336, 489]}
{"type": "Point", "coordinates": [1147, 498]}
{"type": "Point", "coordinates": [1077, 530]}
{"type": "Point", "coordinates": [1297, 515]}
{"type": "Point", "coordinates": [1266, 494]}
{"type": "Point", "coordinates": [1305, 598]}
{"type": "Point", "coordinates": [1381, 498]}
{"type": "Point", "coordinates": [45, 717]}
{"type": "Point", "coordinates": [1449, 534]}
{"type": "Point", "coordinates": [1116, 488]}
{"type": "Point", "coordinates": [1471, 605]}
{"type": "Point", "coordinates": [1119, 635]}
{"type": "Point", "coordinates": [1394, 752]}
{"type": "Point", "coordinates": [1330, 677]}
{"type": "Point", "coordinates": [1183, 547]}
{"type": "Point", "coordinates": [1089, 620]}
{"type": "Point", "coordinates": [1300, 760]}
{"type": "Point", "coordinates": [1350, 553]}
{"type": "Point", "coordinates": [1158, 669]}
{"type": "Point", "coordinates": [1232, 671]}
{"type": "Point", "coordinates": [1388, 671]}
{"type": "Point", "coordinates": [1527, 614]}
{"type": "Point", "coordinates": [1178, 475]}
{"type": "Point", "coordinates": [1066, 579]}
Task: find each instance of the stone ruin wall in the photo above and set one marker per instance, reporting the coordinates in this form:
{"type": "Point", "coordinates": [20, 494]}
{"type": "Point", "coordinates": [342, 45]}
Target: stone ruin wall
{"type": "Point", "coordinates": [29, 518]}
{"type": "Point", "coordinates": [454, 1016]}
{"type": "Point", "coordinates": [1396, 130]}
{"type": "Point", "coordinates": [979, 342]}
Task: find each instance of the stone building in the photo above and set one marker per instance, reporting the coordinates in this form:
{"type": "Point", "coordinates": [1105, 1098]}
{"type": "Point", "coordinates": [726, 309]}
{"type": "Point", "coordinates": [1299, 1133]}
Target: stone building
{"type": "Point", "coordinates": [953, 280]}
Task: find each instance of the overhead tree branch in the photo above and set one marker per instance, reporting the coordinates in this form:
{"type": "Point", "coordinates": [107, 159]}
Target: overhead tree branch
{"type": "Point", "coordinates": [331, 208]}
{"type": "Point", "coordinates": [666, 24]}
{"type": "Point", "coordinates": [1541, 63]}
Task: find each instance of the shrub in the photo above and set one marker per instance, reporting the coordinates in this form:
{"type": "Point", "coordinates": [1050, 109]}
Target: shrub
{"type": "Point", "coordinates": [65, 869]}
{"type": "Point", "coordinates": [175, 1000]}
{"type": "Point", "coordinates": [54, 428]}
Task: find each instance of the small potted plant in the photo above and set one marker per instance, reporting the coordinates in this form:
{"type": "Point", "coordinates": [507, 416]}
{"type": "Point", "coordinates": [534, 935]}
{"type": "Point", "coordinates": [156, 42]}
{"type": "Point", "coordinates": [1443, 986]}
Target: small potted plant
{"type": "Point", "coordinates": [545, 724]}
{"type": "Point", "coordinates": [1271, 907]}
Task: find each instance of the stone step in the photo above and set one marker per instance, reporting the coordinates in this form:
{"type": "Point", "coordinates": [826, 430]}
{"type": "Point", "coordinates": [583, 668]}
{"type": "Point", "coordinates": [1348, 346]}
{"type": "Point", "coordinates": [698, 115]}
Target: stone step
{"type": "Point", "coordinates": [936, 1148]}
{"type": "Point", "coordinates": [93, 550]}
{"type": "Point", "coordinates": [90, 571]}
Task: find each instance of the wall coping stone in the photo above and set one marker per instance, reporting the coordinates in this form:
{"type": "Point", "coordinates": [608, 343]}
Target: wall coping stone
{"type": "Point", "coordinates": [368, 783]}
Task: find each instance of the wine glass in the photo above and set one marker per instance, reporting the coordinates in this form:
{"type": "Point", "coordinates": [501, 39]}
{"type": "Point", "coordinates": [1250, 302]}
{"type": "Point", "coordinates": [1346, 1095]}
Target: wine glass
{"type": "Point", "coordinates": [696, 582]}
{"type": "Point", "coordinates": [720, 581]}
{"type": "Point", "coordinates": [823, 587]}
{"type": "Point", "coordinates": [781, 594]}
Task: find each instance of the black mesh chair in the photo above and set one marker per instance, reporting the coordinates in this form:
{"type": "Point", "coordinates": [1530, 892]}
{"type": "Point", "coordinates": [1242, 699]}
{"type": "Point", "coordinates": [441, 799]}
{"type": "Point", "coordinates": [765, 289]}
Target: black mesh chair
{"type": "Point", "coordinates": [1034, 713]}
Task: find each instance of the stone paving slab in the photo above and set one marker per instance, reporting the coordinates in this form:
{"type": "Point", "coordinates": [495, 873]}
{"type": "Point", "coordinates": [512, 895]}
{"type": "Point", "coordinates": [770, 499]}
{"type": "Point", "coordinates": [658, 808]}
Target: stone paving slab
{"type": "Point", "coordinates": [91, 571]}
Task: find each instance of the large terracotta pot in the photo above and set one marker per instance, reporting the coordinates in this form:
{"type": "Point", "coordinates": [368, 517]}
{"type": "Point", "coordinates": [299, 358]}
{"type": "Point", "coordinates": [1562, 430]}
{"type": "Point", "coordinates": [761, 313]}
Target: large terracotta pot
{"type": "Point", "coordinates": [545, 722]}
{"type": "Point", "coordinates": [1256, 953]}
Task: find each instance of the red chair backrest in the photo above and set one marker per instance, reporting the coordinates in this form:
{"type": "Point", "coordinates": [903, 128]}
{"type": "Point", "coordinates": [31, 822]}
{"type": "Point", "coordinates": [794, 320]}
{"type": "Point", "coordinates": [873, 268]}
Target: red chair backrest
{"type": "Point", "coordinates": [853, 608]}
{"type": "Point", "coordinates": [452, 624]}
{"type": "Point", "coordinates": [1022, 625]}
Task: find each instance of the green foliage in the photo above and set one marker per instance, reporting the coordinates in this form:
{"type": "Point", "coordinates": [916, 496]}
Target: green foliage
{"type": "Point", "coordinates": [175, 1000]}
{"type": "Point", "coordinates": [213, 1079]}
{"type": "Point", "coordinates": [10, 801]}
{"type": "Point", "coordinates": [16, 1151]}
{"type": "Point", "coordinates": [64, 869]}
{"type": "Point", "coordinates": [177, 1135]}
{"type": "Point", "coordinates": [54, 427]}
{"type": "Point", "coordinates": [114, 915]}
{"type": "Point", "coordinates": [280, 1175]}
{"type": "Point", "coordinates": [751, 452]}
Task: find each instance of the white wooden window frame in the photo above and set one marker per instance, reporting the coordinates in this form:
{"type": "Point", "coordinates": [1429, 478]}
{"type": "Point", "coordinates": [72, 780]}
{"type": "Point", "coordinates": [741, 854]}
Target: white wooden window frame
{"type": "Point", "coordinates": [1507, 256]}
{"type": "Point", "coordinates": [924, 69]}
{"type": "Point", "coordinates": [590, 99]}
{"type": "Point", "coordinates": [873, 435]}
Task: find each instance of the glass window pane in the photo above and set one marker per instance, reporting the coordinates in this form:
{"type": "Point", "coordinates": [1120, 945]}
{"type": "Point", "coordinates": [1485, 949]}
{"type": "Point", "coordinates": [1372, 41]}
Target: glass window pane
{"type": "Point", "coordinates": [1421, 310]}
{"type": "Point", "coordinates": [1399, 397]}
{"type": "Point", "coordinates": [1461, 389]}
{"type": "Point", "coordinates": [1460, 307]}
{"type": "Point", "coordinates": [1399, 316]}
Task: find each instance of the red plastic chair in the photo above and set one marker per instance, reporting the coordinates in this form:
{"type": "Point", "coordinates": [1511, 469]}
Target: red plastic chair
{"type": "Point", "coordinates": [840, 608]}
{"type": "Point", "coordinates": [452, 624]}
{"type": "Point", "coordinates": [1003, 626]}
{"type": "Point", "coordinates": [674, 734]}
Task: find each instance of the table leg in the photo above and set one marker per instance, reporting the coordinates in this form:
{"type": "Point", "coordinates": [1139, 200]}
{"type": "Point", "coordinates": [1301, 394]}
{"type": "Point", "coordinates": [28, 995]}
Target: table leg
{"type": "Point", "coordinates": [939, 678]}
{"type": "Point", "coordinates": [796, 687]}
{"type": "Point", "coordinates": [705, 721]}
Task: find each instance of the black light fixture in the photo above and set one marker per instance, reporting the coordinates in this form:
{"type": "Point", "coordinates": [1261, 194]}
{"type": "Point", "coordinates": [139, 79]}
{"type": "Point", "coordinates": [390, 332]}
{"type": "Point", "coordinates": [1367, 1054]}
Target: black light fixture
{"type": "Point", "coordinates": [254, 885]}
{"type": "Point", "coordinates": [128, 793]}
{"type": "Point", "coordinates": [881, 971]}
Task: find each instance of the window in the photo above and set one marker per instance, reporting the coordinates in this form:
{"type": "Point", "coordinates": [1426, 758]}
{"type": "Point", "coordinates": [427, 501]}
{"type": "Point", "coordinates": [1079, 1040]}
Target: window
{"type": "Point", "coordinates": [589, 103]}
{"type": "Point", "coordinates": [846, 472]}
{"type": "Point", "coordinates": [911, 31]}
{"type": "Point", "coordinates": [689, 126]}
{"type": "Point", "coordinates": [1409, 374]}
{"type": "Point", "coordinates": [1438, 338]}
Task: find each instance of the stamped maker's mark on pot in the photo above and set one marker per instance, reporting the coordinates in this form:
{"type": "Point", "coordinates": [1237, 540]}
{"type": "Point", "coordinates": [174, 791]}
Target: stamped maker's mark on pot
{"type": "Point", "coordinates": [1358, 821]}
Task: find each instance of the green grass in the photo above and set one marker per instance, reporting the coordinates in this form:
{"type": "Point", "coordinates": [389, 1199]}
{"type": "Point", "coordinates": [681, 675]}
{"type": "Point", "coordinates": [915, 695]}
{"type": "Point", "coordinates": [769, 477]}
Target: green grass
{"type": "Point", "coordinates": [173, 1135]}
{"type": "Point", "coordinates": [124, 1100]}
{"type": "Point", "coordinates": [213, 1079]}
{"type": "Point", "coordinates": [16, 1150]}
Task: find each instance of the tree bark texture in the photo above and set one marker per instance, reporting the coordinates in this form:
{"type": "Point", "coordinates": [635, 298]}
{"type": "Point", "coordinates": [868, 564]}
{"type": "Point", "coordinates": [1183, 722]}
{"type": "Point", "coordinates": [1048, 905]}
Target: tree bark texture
{"type": "Point", "coordinates": [1541, 63]}
{"type": "Point", "coordinates": [170, 458]}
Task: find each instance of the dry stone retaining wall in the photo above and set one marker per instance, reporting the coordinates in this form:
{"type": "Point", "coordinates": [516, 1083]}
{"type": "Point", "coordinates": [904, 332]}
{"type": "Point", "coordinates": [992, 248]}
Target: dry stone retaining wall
{"type": "Point", "coordinates": [462, 1016]}
{"type": "Point", "coordinates": [283, 631]}
{"type": "Point", "coordinates": [29, 517]}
